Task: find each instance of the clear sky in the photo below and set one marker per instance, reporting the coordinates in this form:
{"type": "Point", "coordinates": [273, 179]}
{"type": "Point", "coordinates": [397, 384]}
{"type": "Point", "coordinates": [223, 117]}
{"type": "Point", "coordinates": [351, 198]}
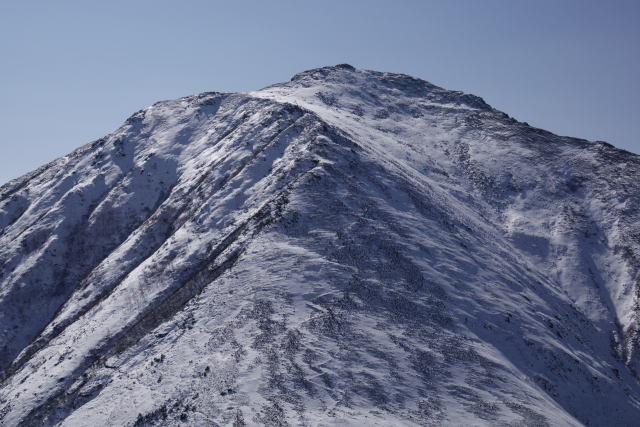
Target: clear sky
{"type": "Point", "coordinates": [73, 71]}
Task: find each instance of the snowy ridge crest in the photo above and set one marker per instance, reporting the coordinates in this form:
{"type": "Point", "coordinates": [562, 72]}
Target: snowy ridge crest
{"type": "Point", "coordinates": [349, 247]}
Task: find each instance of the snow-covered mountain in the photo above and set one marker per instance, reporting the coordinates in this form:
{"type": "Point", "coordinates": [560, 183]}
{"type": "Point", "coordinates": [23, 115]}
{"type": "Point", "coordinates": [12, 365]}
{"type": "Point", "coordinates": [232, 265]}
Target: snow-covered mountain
{"type": "Point", "coordinates": [348, 248]}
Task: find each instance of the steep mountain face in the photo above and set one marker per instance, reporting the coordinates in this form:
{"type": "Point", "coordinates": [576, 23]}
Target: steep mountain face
{"type": "Point", "coordinates": [350, 247]}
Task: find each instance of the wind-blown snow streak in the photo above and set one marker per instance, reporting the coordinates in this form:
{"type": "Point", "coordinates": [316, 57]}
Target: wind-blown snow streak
{"type": "Point", "coordinates": [349, 247]}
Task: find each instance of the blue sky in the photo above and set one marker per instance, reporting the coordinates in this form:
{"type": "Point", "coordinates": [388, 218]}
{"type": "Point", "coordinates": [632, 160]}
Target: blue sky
{"type": "Point", "coordinates": [72, 71]}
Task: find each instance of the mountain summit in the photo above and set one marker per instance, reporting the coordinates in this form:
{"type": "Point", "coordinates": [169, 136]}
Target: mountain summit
{"type": "Point", "coordinates": [348, 248]}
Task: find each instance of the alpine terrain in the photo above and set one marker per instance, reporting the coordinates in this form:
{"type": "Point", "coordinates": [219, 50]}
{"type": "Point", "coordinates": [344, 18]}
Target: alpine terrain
{"type": "Point", "coordinates": [348, 248]}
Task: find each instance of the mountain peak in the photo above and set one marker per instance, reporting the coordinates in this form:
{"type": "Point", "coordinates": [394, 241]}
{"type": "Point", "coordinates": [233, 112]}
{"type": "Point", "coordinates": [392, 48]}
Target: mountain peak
{"type": "Point", "coordinates": [323, 71]}
{"type": "Point", "coordinates": [358, 90]}
{"type": "Point", "coordinates": [350, 247]}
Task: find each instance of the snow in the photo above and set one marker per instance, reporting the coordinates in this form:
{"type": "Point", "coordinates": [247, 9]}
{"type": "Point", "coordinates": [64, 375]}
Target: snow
{"type": "Point", "coordinates": [350, 247]}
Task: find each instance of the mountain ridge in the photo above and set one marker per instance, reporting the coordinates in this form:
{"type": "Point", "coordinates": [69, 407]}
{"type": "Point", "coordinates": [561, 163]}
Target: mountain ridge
{"type": "Point", "coordinates": [374, 225]}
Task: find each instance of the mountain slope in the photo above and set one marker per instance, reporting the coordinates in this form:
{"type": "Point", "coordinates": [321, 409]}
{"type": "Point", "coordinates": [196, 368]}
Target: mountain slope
{"type": "Point", "coordinates": [348, 247]}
